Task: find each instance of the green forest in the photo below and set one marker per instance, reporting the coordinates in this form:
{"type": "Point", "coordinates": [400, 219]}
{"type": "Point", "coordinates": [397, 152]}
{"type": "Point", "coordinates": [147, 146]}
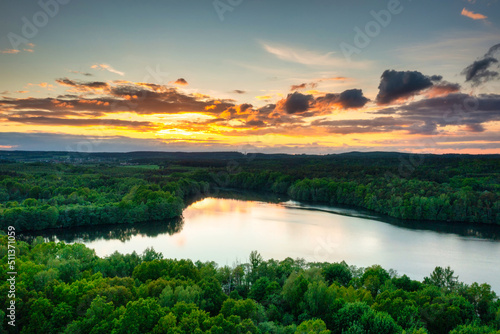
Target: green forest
{"type": "Point", "coordinates": [64, 288]}
{"type": "Point", "coordinates": [38, 195]}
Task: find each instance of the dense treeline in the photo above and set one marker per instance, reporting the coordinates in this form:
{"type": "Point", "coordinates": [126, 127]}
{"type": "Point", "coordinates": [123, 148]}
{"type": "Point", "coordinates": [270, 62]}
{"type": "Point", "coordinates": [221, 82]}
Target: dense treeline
{"type": "Point", "coordinates": [35, 196]}
{"type": "Point", "coordinates": [394, 196]}
{"type": "Point", "coordinates": [420, 187]}
{"type": "Point", "coordinates": [39, 196]}
{"type": "Point", "coordinates": [63, 288]}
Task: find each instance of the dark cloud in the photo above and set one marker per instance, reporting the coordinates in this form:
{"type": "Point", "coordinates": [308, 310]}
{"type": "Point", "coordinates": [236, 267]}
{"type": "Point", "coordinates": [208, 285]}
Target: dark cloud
{"type": "Point", "coordinates": [478, 72]}
{"type": "Point", "coordinates": [255, 123]}
{"type": "Point", "coordinates": [267, 109]}
{"type": "Point", "coordinates": [471, 112]}
{"type": "Point", "coordinates": [484, 69]}
{"type": "Point", "coordinates": [396, 85]}
{"type": "Point", "coordinates": [67, 96]}
{"type": "Point", "coordinates": [351, 98]}
{"type": "Point", "coordinates": [141, 92]}
{"type": "Point", "coordinates": [83, 85]}
{"type": "Point", "coordinates": [95, 84]}
{"type": "Point", "coordinates": [474, 128]}
{"type": "Point", "coordinates": [180, 82]}
{"type": "Point", "coordinates": [245, 106]}
{"type": "Point", "coordinates": [296, 87]}
{"type": "Point", "coordinates": [66, 82]}
{"type": "Point", "coordinates": [296, 103]}
{"type": "Point", "coordinates": [234, 112]}
{"type": "Point", "coordinates": [493, 50]}
{"type": "Point", "coordinates": [303, 86]}
{"type": "Point", "coordinates": [238, 91]}
{"type": "Point", "coordinates": [425, 128]}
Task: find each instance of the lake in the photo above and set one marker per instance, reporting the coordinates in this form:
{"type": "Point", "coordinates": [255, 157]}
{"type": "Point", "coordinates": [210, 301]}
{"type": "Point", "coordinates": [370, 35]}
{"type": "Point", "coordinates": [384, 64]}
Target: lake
{"type": "Point", "coordinates": [226, 230]}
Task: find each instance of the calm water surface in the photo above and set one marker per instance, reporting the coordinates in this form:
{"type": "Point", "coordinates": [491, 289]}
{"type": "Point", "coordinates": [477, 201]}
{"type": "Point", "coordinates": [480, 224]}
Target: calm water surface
{"type": "Point", "coordinates": [227, 230]}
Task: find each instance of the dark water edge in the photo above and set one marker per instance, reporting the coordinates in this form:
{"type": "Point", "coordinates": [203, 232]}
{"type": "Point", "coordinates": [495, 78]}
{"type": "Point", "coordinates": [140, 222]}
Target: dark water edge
{"type": "Point", "coordinates": [124, 232]}
{"type": "Point", "coordinates": [474, 230]}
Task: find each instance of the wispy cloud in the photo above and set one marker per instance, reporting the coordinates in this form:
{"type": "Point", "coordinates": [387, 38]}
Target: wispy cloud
{"type": "Point", "coordinates": [315, 82]}
{"type": "Point", "coordinates": [10, 51]}
{"type": "Point", "coordinates": [333, 79]}
{"type": "Point", "coordinates": [472, 15]}
{"type": "Point", "coordinates": [264, 97]}
{"type": "Point", "coordinates": [82, 73]}
{"type": "Point", "coordinates": [41, 84]}
{"type": "Point", "coordinates": [451, 50]}
{"type": "Point", "coordinates": [310, 58]}
{"type": "Point", "coordinates": [29, 48]}
{"type": "Point", "coordinates": [108, 68]}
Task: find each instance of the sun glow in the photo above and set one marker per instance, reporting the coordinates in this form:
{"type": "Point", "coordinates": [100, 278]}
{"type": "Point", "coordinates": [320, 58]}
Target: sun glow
{"type": "Point", "coordinates": [177, 132]}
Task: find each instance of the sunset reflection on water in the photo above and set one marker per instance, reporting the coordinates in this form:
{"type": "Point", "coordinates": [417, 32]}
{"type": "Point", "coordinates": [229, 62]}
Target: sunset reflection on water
{"type": "Point", "coordinates": [227, 230]}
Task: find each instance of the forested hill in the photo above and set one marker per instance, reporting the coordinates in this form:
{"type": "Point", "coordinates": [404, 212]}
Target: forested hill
{"type": "Point", "coordinates": [149, 156]}
{"type": "Point", "coordinates": [41, 190]}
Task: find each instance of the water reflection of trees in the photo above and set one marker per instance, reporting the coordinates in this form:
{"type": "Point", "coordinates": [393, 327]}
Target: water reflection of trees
{"type": "Point", "coordinates": [242, 195]}
{"type": "Point", "coordinates": [481, 231]}
{"type": "Point", "coordinates": [152, 229]}
{"type": "Point", "coordinates": [109, 232]}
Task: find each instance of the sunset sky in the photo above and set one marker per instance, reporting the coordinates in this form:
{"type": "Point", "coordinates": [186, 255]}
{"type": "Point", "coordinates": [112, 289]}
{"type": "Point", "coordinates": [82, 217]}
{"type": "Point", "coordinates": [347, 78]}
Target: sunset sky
{"type": "Point", "coordinates": [250, 75]}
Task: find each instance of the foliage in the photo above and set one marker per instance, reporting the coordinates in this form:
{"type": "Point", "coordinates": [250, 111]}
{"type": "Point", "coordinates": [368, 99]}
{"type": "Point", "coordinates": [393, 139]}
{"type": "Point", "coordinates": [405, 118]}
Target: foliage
{"type": "Point", "coordinates": [65, 288]}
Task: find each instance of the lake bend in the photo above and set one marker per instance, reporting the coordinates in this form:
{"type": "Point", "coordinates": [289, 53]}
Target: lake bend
{"type": "Point", "coordinates": [226, 230]}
